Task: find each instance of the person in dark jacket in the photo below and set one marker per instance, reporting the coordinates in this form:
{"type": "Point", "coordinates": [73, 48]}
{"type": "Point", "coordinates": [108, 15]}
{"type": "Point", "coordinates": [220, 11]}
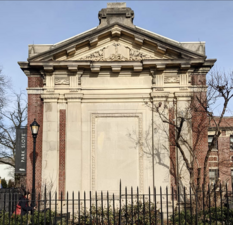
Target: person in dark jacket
{"type": "Point", "coordinates": [24, 203]}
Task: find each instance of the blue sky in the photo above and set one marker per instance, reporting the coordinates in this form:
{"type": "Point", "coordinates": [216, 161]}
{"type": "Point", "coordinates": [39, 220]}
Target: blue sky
{"type": "Point", "coordinates": [48, 22]}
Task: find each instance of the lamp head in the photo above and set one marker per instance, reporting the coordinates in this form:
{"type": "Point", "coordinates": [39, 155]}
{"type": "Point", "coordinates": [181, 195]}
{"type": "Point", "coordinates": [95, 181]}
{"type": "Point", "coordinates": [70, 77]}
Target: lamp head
{"type": "Point", "coordinates": [34, 128]}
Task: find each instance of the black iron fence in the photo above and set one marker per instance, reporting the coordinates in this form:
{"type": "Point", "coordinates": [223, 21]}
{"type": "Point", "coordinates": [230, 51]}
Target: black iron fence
{"type": "Point", "coordinates": [213, 205]}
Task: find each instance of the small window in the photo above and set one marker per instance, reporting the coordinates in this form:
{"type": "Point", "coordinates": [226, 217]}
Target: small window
{"type": "Point", "coordinates": [231, 142]}
{"type": "Point", "coordinates": [210, 138]}
{"type": "Point", "coordinates": [213, 176]}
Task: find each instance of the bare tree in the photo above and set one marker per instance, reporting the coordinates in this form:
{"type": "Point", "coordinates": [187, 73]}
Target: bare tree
{"type": "Point", "coordinates": [188, 130]}
{"type": "Point", "coordinates": [13, 118]}
{"type": "Point", "coordinates": [4, 85]}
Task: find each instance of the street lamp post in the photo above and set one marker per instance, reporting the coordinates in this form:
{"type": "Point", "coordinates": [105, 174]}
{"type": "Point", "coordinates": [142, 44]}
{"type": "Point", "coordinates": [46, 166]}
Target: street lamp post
{"type": "Point", "coordinates": [34, 129]}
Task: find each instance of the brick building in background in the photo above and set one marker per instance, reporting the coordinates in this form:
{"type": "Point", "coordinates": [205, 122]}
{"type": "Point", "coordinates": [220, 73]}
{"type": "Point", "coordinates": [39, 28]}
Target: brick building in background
{"type": "Point", "coordinates": [221, 159]}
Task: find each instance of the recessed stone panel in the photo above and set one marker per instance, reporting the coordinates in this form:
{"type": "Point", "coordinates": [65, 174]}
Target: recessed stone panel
{"type": "Point", "coordinates": [115, 156]}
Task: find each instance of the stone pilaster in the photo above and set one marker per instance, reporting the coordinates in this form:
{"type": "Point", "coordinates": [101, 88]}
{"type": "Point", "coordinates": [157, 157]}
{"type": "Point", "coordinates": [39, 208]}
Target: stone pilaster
{"type": "Point", "coordinates": [50, 163]}
{"type": "Point", "coordinates": [183, 111]}
{"type": "Point", "coordinates": [161, 143]}
{"type": "Point", "coordinates": [74, 142]}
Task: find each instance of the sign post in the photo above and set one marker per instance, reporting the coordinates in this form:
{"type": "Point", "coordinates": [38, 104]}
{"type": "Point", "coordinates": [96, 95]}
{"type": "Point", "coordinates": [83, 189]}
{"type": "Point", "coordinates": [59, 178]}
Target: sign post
{"type": "Point", "coordinates": [21, 151]}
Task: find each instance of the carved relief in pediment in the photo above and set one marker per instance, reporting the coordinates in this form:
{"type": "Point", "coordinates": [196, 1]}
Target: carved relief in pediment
{"type": "Point", "coordinates": [117, 52]}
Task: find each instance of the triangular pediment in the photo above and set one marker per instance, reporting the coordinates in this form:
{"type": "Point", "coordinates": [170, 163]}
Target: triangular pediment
{"type": "Point", "coordinates": [114, 43]}
{"type": "Point", "coordinates": [115, 50]}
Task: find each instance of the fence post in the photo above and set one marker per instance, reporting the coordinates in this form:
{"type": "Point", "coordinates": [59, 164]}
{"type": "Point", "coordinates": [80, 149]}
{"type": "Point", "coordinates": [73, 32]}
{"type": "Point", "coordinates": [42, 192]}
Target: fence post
{"type": "Point", "coordinates": [55, 207]}
{"type": "Point", "coordinates": [149, 208]}
{"type": "Point", "coordinates": [108, 207]}
{"type": "Point", "coordinates": [45, 205]}
{"type": "Point", "coordinates": [132, 204]}
{"type": "Point", "coordinates": [185, 206]}
{"type": "Point", "coordinates": [102, 207]}
{"type": "Point", "coordinates": [126, 209]}
{"type": "Point", "coordinates": [167, 203]}
{"type": "Point", "coordinates": [96, 208]}
{"type": "Point", "coordinates": [138, 204]}
{"type": "Point", "coordinates": [203, 201]}
{"type": "Point", "coordinates": [79, 207]}
{"type": "Point", "coordinates": [4, 207]}
{"type": "Point", "coordinates": [113, 199]}
{"type": "Point", "coordinates": [196, 198]}
{"type": "Point", "coordinates": [67, 205]}
{"type": "Point", "coordinates": [179, 200]}
{"type": "Point", "coordinates": [227, 204]}
{"type": "Point", "coordinates": [120, 204]}
{"type": "Point", "coordinates": [72, 208]}
{"type": "Point", "coordinates": [61, 207]}
{"type": "Point", "coordinates": [221, 200]}
{"type": "Point", "coordinates": [191, 207]}
{"type": "Point", "coordinates": [90, 210]}
{"type": "Point", "coordinates": [50, 207]}
{"type": "Point", "coordinates": [84, 206]}
{"type": "Point", "coordinates": [161, 204]}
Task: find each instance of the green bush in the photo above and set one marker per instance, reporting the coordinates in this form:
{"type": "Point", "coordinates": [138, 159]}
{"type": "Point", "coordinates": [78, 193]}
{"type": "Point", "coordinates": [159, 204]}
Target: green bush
{"type": "Point", "coordinates": [215, 216]}
{"type": "Point", "coordinates": [4, 183]}
{"type": "Point", "coordinates": [139, 213]}
{"type": "Point", "coordinates": [10, 184]}
{"type": "Point", "coordinates": [26, 219]}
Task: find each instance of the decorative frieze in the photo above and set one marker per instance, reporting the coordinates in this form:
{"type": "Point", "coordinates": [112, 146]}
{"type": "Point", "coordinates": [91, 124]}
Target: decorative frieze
{"type": "Point", "coordinates": [62, 81]}
{"type": "Point", "coordinates": [172, 79]}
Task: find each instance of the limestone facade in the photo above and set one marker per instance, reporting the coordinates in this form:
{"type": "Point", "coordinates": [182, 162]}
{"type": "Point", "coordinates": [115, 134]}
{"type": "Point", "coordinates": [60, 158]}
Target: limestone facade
{"type": "Point", "coordinates": [88, 93]}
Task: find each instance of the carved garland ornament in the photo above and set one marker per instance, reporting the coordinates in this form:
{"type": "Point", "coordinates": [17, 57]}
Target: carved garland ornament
{"type": "Point", "coordinates": [93, 143]}
{"type": "Point", "coordinates": [169, 79]}
{"type": "Point", "coordinates": [134, 55]}
{"type": "Point", "coordinates": [62, 81]}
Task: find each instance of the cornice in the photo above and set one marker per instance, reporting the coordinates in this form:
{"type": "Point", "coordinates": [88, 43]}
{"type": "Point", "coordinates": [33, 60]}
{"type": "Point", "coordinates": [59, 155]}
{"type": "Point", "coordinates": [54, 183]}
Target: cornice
{"type": "Point", "coordinates": [159, 95]}
{"type": "Point", "coordinates": [35, 90]}
{"type": "Point", "coordinates": [74, 96]}
{"type": "Point", "coordinates": [95, 66]}
{"type": "Point", "coordinates": [50, 96]}
{"type": "Point", "coordinates": [183, 95]}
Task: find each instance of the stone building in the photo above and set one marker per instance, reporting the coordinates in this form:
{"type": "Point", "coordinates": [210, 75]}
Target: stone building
{"type": "Point", "coordinates": [88, 93]}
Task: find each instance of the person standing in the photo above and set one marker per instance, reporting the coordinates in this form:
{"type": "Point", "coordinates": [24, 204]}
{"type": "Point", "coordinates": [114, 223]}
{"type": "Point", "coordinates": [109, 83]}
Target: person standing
{"type": "Point", "coordinates": [24, 203]}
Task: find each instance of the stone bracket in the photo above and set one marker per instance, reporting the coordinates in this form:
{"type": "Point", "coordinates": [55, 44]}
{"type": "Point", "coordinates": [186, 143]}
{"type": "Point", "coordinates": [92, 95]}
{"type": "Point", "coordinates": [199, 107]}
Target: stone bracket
{"type": "Point", "coordinates": [73, 68]}
{"type": "Point", "coordinates": [48, 68]}
{"type": "Point", "coordinates": [95, 69]}
{"type": "Point", "coordinates": [138, 40]}
{"type": "Point", "coordinates": [161, 66]}
{"type": "Point", "coordinates": [137, 68]}
{"type": "Point", "coordinates": [71, 50]}
{"type": "Point", "coordinates": [161, 49]}
{"type": "Point", "coordinates": [93, 41]}
{"type": "Point", "coordinates": [116, 69]}
{"type": "Point", "coordinates": [116, 31]}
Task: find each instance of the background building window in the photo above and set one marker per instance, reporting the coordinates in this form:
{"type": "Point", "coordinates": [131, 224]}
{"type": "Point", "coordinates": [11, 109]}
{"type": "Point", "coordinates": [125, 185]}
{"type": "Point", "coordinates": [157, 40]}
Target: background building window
{"type": "Point", "coordinates": [231, 142]}
{"type": "Point", "coordinates": [213, 175]}
{"type": "Point", "coordinates": [210, 138]}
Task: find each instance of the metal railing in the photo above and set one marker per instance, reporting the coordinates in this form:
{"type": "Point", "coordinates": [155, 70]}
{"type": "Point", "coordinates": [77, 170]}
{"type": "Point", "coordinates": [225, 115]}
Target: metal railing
{"type": "Point", "coordinates": [212, 205]}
